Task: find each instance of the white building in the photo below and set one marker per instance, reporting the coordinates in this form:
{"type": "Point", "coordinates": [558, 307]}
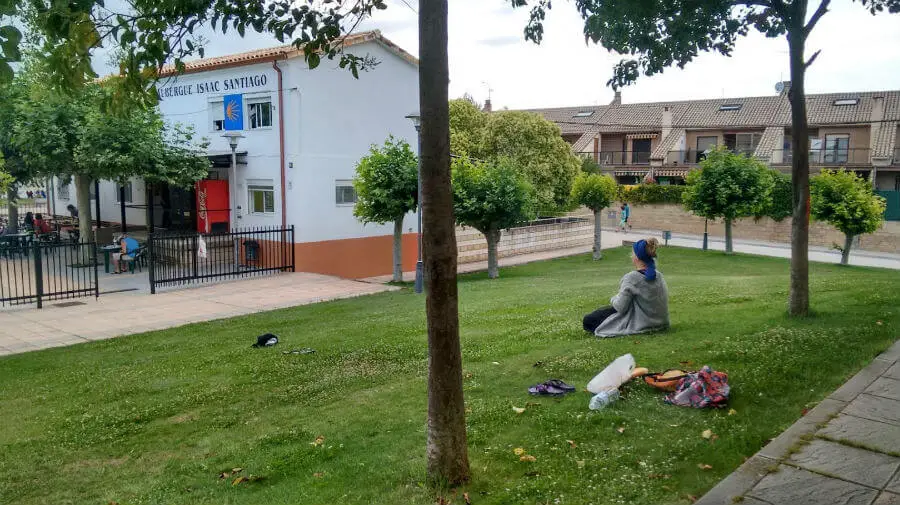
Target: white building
{"type": "Point", "coordinates": [303, 133]}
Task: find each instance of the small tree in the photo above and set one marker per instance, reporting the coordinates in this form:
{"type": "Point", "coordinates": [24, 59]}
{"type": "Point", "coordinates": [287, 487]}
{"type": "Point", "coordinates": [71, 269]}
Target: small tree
{"type": "Point", "coordinates": [595, 192]}
{"type": "Point", "coordinates": [728, 186]}
{"type": "Point", "coordinates": [386, 188]}
{"type": "Point", "coordinates": [490, 197]}
{"type": "Point", "coordinates": [589, 165]}
{"type": "Point", "coordinates": [847, 202]}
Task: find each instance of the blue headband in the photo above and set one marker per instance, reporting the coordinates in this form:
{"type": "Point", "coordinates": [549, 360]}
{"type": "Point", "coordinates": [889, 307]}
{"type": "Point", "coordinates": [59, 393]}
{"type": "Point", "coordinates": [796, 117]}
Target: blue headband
{"type": "Point", "coordinates": [640, 250]}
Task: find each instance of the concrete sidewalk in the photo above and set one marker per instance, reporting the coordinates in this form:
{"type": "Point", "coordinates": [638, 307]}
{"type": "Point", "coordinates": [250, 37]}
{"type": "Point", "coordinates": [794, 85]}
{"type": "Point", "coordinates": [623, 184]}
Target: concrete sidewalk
{"type": "Point", "coordinates": [112, 315]}
{"type": "Point", "coordinates": [845, 451]}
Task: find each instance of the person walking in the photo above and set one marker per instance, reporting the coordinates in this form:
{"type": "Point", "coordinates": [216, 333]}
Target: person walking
{"type": "Point", "coordinates": [625, 211]}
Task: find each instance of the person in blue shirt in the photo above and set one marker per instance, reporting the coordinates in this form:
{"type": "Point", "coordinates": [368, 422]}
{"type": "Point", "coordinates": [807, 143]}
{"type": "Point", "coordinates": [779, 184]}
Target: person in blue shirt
{"type": "Point", "coordinates": [129, 247]}
{"type": "Point", "coordinates": [625, 214]}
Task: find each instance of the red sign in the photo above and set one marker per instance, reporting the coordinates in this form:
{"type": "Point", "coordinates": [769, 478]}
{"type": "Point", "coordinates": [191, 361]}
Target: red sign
{"type": "Point", "coordinates": [212, 206]}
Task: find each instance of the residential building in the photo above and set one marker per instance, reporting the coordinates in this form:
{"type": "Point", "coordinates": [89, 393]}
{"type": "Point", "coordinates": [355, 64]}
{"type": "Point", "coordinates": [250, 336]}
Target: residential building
{"type": "Point", "coordinates": [303, 131]}
{"type": "Point", "coordinates": [855, 130]}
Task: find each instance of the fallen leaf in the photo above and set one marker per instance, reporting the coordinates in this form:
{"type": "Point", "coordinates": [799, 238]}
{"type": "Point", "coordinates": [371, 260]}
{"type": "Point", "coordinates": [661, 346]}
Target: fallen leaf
{"type": "Point", "coordinates": [239, 480]}
{"type": "Point", "coordinates": [538, 364]}
{"type": "Point", "coordinates": [707, 434]}
{"type": "Point", "coordinates": [224, 475]}
{"type": "Point", "coordinates": [319, 441]}
{"type": "Point", "coordinates": [468, 375]}
{"type": "Point", "coordinates": [804, 412]}
{"type": "Point", "coordinates": [518, 410]}
{"type": "Point", "coordinates": [466, 497]}
{"type": "Point", "coordinates": [621, 429]}
{"type": "Point", "coordinates": [468, 410]}
{"type": "Point", "coordinates": [879, 323]}
{"type": "Point", "coordinates": [692, 498]}
{"type": "Point", "coordinates": [731, 412]}
{"type": "Point", "coordinates": [236, 470]}
{"type": "Point", "coordinates": [319, 475]}
{"type": "Point", "coordinates": [495, 362]}
{"type": "Point", "coordinates": [572, 443]}
{"type": "Point", "coordinates": [703, 466]}
{"type": "Point", "coordinates": [580, 463]}
{"type": "Point", "coordinates": [518, 451]}
{"type": "Point", "coordinates": [527, 457]}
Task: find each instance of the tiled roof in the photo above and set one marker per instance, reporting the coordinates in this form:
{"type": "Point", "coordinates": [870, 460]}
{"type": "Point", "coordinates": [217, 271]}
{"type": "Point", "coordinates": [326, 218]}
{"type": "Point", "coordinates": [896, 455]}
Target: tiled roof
{"type": "Point", "coordinates": [667, 144]}
{"type": "Point", "coordinates": [281, 53]}
{"type": "Point", "coordinates": [771, 140]}
{"type": "Point", "coordinates": [567, 120]}
{"type": "Point", "coordinates": [884, 137]}
{"type": "Point", "coordinates": [583, 142]}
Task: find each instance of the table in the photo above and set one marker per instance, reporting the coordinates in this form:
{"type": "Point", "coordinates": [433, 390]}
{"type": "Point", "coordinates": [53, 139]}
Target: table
{"type": "Point", "coordinates": [107, 249]}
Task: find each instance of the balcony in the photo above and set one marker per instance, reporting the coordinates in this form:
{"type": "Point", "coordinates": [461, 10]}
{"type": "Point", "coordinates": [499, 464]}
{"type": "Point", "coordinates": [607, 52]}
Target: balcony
{"type": "Point", "coordinates": [829, 157]}
{"type": "Point", "coordinates": [692, 157]}
{"type": "Point", "coordinates": [622, 158]}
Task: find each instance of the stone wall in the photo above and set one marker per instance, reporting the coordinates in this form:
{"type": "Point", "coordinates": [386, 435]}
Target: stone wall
{"type": "Point", "coordinates": [543, 236]}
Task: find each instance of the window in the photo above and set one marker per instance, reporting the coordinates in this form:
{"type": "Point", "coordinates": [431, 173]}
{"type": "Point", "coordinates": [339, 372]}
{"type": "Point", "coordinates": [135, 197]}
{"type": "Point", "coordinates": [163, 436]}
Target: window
{"type": "Point", "coordinates": [837, 148]}
{"type": "Point", "coordinates": [262, 199]}
{"type": "Point", "coordinates": [730, 106]}
{"type": "Point", "coordinates": [584, 113]}
{"type": "Point", "coordinates": [63, 190]}
{"type": "Point", "coordinates": [128, 193]}
{"type": "Point", "coordinates": [260, 115]}
{"type": "Point", "coordinates": [845, 101]}
{"type": "Point", "coordinates": [705, 144]}
{"type": "Point", "coordinates": [216, 116]}
{"type": "Point", "coordinates": [742, 143]}
{"type": "Point", "coordinates": [344, 193]}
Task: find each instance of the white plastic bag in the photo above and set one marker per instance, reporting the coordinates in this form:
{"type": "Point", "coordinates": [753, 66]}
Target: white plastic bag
{"type": "Point", "coordinates": [617, 373]}
{"type": "Point", "coordinates": [201, 248]}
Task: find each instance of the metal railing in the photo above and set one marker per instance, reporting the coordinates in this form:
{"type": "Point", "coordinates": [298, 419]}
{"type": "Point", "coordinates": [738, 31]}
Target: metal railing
{"type": "Point", "coordinates": [181, 258]}
{"type": "Point", "coordinates": [830, 157]}
{"type": "Point", "coordinates": [33, 271]}
{"type": "Point", "coordinates": [693, 156]}
{"type": "Point", "coordinates": [618, 158]}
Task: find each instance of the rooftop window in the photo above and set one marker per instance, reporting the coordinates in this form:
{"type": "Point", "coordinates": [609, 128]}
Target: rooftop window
{"type": "Point", "coordinates": [730, 106]}
{"type": "Point", "coordinates": [584, 113]}
{"type": "Point", "coordinates": [845, 101]}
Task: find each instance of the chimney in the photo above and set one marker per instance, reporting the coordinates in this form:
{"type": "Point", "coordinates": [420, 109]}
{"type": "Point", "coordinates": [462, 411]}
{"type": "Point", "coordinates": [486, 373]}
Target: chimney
{"type": "Point", "coordinates": [617, 100]}
{"type": "Point", "coordinates": [487, 105]}
{"type": "Point", "coordinates": [666, 122]}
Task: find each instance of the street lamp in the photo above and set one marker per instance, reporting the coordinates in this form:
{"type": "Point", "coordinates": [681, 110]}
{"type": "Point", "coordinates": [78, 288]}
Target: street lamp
{"type": "Point", "coordinates": [420, 269]}
{"type": "Point", "coordinates": [233, 137]}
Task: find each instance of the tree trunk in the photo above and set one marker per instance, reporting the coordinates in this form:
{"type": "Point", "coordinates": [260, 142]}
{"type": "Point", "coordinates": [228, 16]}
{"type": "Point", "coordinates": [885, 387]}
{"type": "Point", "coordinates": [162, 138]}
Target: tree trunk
{"type": "Point", "coordinates": [85, 221]}
{"type": "Point", "coordinates": [597, 252]}
{"type": "Point", "coordinates": [845, 254]}
{"type": "Point", "coordinates": [729, 245]}
{"type": "Point", "coordinates": [12, 195]}
{"type": "Point", "coordinates": [798, 302]}
{"type": "Point", "coordinates": [493, 238]}
{"type": "Point", "coordinates": [446, 451]}
{"type": "Point", "coordinates": [398, 250]}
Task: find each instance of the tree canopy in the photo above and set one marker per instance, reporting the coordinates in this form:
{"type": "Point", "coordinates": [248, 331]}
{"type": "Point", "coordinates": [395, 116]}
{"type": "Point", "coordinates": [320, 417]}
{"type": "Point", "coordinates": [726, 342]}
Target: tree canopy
{"type": "Point", "coordinates": [846, 201]}
{"type": "Point", "coordinates": [594, 191]}
{"type": "Point", "coordinates": [386, 183]}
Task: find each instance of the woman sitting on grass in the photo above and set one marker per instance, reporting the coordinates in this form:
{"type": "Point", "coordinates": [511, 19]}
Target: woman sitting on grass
{"type": "Point", "coordinates": [642, 303]}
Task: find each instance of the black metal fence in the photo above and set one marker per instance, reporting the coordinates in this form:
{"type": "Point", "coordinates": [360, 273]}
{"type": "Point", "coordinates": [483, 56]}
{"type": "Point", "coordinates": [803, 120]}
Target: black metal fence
{"type": "Point", "coordinates": [180, 258]}
{"type": "Point", "coordinates": [34, 272]}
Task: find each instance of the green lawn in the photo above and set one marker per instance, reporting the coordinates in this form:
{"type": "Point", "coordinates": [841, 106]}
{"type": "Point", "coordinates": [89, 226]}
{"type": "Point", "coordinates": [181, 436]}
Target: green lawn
{"type": "Point", "coordinates": [155, 418]}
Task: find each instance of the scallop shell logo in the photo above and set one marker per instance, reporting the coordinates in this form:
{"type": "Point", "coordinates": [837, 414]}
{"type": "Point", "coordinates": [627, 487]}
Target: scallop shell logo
{"type": "Point", "coordinates": [232, 111]}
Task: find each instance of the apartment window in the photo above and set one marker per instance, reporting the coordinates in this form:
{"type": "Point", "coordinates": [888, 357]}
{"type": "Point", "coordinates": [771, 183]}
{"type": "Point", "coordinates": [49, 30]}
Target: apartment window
{"type": "Point", "coordinates": [730, 106]}
{"type": "Point", "coordinates": [216, 116]}
{"type": "Point", "coordinates": [584, 113]}
{"type": "Point", "coordinates": [344, 193]}
{"type": "Point", "coordinates": [62, 190]}
{"type": "Point", "coordinates": [705, 144]}
{"type": "Point", "coordinates": [128, 193]}
{"type": "Point", "coordinates": [742, 143]}
{"type": "Point", "coordinates": [262, 199]}
{"type": "Point", "coordinates": [260, 115]}
{"type": "Point", "coordinates": [845, 101]}
{"type": "Point", "coordinates": [837, 148]}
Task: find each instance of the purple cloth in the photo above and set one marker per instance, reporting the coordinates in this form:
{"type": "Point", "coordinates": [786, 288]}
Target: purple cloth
{"type": "Point", "coordinates": [706, 388]}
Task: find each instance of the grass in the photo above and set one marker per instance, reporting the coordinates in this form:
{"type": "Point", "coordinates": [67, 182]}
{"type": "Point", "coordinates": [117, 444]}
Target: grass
{"type": "Point", "coordinates": [156, 418]}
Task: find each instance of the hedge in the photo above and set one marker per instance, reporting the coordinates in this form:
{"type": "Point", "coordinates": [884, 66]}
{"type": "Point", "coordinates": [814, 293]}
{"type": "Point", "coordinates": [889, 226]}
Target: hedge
{"type": "Point", "coordinates": [651, 193]}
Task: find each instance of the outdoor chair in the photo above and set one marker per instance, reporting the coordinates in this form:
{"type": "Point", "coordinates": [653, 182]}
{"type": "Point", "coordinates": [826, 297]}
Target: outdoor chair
{"type": "Point", "coordinates": [139, 259]}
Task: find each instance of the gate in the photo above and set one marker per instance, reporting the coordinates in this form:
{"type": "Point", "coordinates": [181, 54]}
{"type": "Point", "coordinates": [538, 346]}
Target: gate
{"type": "Point", "coordinates": [892, 212]}
{"type": "Point", "coordinates": [181, 258]}
{"type": "Point", "coordinates": [34, 272]}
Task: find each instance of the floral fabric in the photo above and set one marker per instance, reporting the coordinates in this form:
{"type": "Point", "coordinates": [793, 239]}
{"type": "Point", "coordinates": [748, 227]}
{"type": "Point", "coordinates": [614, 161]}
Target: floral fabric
{"type": "Point", "coordinates": [706, 388]}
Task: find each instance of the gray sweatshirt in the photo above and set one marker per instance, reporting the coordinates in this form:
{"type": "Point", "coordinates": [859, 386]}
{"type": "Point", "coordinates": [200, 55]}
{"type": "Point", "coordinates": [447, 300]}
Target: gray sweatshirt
{"type": "Point", "coordinates": [641, 306]}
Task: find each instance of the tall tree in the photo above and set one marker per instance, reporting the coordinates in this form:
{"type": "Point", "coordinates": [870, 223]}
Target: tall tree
{"type": "Point", "coordinates": [847, 202]}
{"type": "Point", "coordinates": [596, 192]}
{"type": "Point", "coordinates": [491, 197]}
{"type": "Point", "coordinates": [447, 458]}
{"type": "Point", "coordinates": [728, 186]}
{"type": "Point", "coordinates": [660, 34]}
{"type": "Point", "coordinates": [386, 186]}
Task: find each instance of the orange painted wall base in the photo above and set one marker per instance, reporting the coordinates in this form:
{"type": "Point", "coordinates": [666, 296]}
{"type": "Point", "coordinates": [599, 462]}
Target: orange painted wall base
{"type": "Point", "coordinates": [354, 258]}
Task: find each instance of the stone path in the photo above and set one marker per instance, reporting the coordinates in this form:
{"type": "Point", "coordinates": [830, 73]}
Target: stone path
{"type": "Point", "coordinates": [112, 315]}
{"type": "Point", "coordinates": [846, 451]}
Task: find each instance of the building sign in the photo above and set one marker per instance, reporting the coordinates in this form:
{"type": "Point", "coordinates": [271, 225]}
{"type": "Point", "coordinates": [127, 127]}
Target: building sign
{"type": "Point", "coordinates": [234, 109]}
{"type": "Point", "coordinates": [217, 86]}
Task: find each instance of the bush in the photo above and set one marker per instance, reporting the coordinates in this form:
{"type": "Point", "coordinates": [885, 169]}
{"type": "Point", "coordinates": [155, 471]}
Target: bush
{"type": "Point", "coordinates": [781, 204]}
{"type": "Point", "coordinates": [651, 193]}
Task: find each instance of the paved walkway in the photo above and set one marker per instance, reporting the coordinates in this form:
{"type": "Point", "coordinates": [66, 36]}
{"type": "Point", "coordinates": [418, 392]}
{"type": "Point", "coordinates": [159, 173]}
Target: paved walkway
{"type": "Point", "coordinates": [112, 315]}
{"type": "Point", "coordinates": [845, 451]}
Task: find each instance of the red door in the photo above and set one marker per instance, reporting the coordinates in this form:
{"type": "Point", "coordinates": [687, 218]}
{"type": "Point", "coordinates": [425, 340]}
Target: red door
{"type": "Point", "coordinates": [213, 213]}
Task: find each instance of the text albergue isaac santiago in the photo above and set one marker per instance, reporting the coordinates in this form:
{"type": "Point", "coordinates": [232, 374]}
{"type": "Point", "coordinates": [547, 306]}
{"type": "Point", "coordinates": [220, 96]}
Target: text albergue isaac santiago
{"type": "Point", "coordinates": [216, 86]}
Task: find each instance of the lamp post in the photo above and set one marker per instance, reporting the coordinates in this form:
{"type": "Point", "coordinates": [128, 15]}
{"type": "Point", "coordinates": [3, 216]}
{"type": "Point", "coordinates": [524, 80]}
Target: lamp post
{"type": "Point", "coordinates": [705, 234]}
{"type": "Point", "coordinates": [420, 269]}
{"type": "Point", "coordinates": [233, 138]}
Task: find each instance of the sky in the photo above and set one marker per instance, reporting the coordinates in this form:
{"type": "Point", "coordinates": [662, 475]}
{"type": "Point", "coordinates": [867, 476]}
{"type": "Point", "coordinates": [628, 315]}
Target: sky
{"type": "Point", "coordinates": [488, 52]}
